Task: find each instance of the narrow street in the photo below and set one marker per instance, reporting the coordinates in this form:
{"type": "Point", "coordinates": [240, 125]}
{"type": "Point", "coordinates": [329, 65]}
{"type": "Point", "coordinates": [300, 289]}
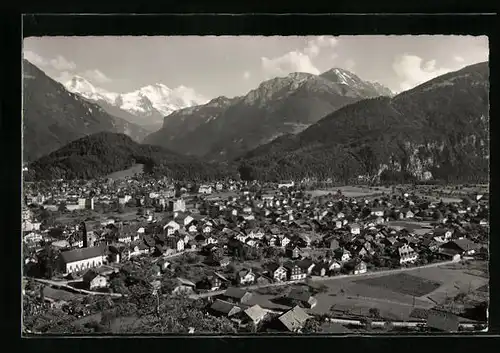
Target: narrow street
{"type": "Point", "coordinates": [319, 279]}
{"type": "Point", "coordinates": [64, 284]}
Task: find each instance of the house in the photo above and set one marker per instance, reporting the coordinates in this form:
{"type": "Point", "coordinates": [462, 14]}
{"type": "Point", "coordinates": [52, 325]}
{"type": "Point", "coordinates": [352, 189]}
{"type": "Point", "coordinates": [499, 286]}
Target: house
{"type": "Point", "coordinates": [334, 266]}
{"type": "Point", "coordinates": [92, 280]}
{"type": "Point", "coordinates": [342, 255]}
{"type": "Point", "coordinates": [294, 319]}
{"type": "Point", "coordinates": [178, 205]}
{"type": "Point", "coordinates": [171, 227]}
{"type": "Point", "coordinates": [264, 280]}
{"type": "Point", "coordinates": [184, 219]}
{"type": "Point", "coordinates": [212, 282]}
{"type": "Point", "coordinates": [253, 315]}
{"type": "Point", "coordinates": [307, 265]}
{"type": "Point", "coordinates": [286, 184]}
{"type": "Point", "coordinates": [442, 234]}
{"type": "Point", "coordinates": [462, 246]}
{"type": "Point", "coordinates": [125, 238]}
{"type": "Point", "coordinates": [303, 297]}
{"type": "Point", "coordinates": [293, 252]}
{"type": "Point", "coordinates": [277, 272]}
{"type": "Point", "coordinates": [245, 277]}
{"type": "Point", "coordinates": [285, 241]}
{"type": "Point", "coordinates": [377, 211]}
{"type": "Point", "coordinates": [175, 243]}
{"type": "Point", "coordinates": [407, 254]}
{"type": "Point", "coordinates": [183, 286]}
{"type": "Point", "coordinates": [237, 295]}
{"type": "Point", "coordinates": [406, 213]}
{"type": "Point", "coordinates": [205, 189]}
{"type": "Point", "coordinates": [294, 272]}
{"type": "Point", "coordinates": [321, 269]}
{"type": "Point", "coordinates": [355, 228]}
{"type": "Point", "coordinates": [224, 308]}
{"type": "Point", "coordinates": [360, 268]}
{"type": "Point", "coordinates": [84, 258]}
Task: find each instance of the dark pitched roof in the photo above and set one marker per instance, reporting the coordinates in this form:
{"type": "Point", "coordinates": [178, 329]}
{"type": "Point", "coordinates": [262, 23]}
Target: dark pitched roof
{"type": "Point", "coordinates": [83, 254]}
{"type": "Point", "coordinates": [294, 318]}
{"type": "Point", "coordinates": [235, 293]}
{"type": "Point", "coordinates": [223, 307]}
{"type": "Point", "coordinates": [466, 244]}
{"type": "Point", "coordinates": [443, 321]}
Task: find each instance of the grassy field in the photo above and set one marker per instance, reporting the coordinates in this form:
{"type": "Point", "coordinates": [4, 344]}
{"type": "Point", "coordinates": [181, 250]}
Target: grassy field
{"type": "Point", "coordinates": [350, 191]}
{"type": "Point", "coordinates": [409, 225]}
{"type": "Point", "coordinates": [130, 172]}
{"type": "Point", "coordinates": [393, 296]}
{"type": "Point", "coordinates": [403, 283]}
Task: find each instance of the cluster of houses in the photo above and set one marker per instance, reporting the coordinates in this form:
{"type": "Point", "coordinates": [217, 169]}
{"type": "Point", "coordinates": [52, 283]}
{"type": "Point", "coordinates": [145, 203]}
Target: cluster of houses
{"type": "Point", "coordinates": [240, 307]}
{"type": "Point", "coordinates": [320, 236]}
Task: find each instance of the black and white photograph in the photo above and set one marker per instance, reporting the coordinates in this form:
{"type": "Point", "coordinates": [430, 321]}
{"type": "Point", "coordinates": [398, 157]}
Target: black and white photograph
{"type": "Point", "coordinates": [235, 185]}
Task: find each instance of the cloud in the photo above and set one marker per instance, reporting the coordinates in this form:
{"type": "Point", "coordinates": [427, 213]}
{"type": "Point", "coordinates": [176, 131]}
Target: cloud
{"type": "Point", "coordinates": [34, 58]}
{"type": "Point", "coordinates": [458, 59]}
{"type": "Point", "coordinates": [350, 64]}
{"type": "Point", "coordinates": [412, 70]}
{"type": "Point", "coordinates": [299, 60]}
{"type": "Point", "coordinates": [246, 75]}
{"type": "Point", "coordinates": [315, 45]}
{"type": "Point", "coordinates": [61, 64]}
{"type": "Point", "coordinates": [96, 76]}
{"type": "Point", "coordinates": [64, 77]}
{"type": "Point", "coordinates": [293, 61]}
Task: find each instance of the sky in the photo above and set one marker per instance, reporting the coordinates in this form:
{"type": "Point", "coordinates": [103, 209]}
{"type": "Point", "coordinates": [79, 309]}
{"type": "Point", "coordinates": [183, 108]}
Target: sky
{"type": "Point", "coordinates": [233, 65]}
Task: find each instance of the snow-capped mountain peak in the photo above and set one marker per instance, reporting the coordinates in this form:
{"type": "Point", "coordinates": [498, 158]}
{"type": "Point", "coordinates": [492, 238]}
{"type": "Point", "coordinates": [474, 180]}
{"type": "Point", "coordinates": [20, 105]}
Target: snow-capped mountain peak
{"type": "Point", "coordinates": [156, 100]}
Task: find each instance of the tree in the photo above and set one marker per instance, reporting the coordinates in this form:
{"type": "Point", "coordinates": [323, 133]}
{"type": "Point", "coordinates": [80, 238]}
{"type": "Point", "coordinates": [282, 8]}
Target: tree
{"type": "Point", "coordinates": [311, 326]}
{"type": "Point", "coordinates": [48, 261]}
{"type": "Point", "coordinates": [62, 207]}
{"type": "Point", "coordinates": [374, 312]}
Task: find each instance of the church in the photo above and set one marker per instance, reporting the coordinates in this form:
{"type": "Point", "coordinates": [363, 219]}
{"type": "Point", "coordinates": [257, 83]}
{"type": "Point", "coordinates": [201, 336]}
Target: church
{"type": "Point", "coordinates": [89, 256]}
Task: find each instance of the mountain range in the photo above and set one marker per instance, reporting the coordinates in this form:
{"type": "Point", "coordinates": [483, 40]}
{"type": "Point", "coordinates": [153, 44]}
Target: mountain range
{"type": "Point", "coordinates": [329, 126]}
{"type": "Point", "coordinates": [145, 107]}
{"type": "Point", "coordinates": [225, 128]}
{"type": "Point", "coordinates": [53, 116]}
{"type": "Point", "coordinates": [439, 129]}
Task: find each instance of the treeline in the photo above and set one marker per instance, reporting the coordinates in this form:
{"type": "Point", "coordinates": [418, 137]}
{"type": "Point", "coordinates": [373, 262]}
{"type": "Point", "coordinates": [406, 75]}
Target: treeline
{"type": "Point", "coordinates": [100, 154]}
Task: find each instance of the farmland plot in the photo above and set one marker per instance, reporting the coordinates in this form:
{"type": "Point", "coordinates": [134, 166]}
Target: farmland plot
{"type": "Point", "coordinates": [403, 283]}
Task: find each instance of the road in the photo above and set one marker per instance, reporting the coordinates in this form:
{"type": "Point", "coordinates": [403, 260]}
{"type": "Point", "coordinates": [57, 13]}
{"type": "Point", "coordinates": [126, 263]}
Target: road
{"type": "Point", "coordinates": [384, 272]}
{"type": "Point", "coordinates": [175, 255]}
{"type": "Point", "coordinates": [63, 284]}
{"type": "Point", "coordinates": [319, 279]}
{"type": "Point", "coordinates": [252, 287]}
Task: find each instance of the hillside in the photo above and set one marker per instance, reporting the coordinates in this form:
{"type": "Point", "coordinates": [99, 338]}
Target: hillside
{"type": "Point", "coordinates": [225, 128]}
{"type": "Point", "coordinates": [101, 154]}
{"type": "Point", "coordinates": [439, 129]}
{"type": "Point", "coordinates": [52, 116]}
